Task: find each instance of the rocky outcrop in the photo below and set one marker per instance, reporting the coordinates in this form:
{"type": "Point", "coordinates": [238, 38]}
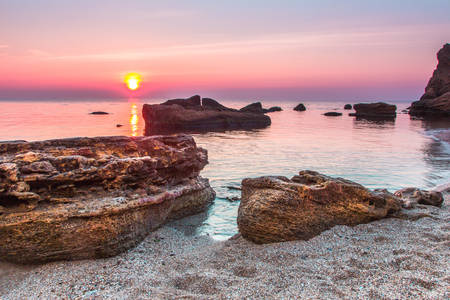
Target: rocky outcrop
{"type": "Point", "coordinates": [276, 209]}
{"type": "Point", "coordinates": [192, 116]}
{"type": "Point", "coordinates": [436, 100]}
{"type": "Point", "coordinates": [94, 197]}
{"type": "Point", "coordinates": [347, 106]}
{"type": "Point", "coordinates": [332, 114]}
{"type": "Point", "coordinates": [300, 107]}
{"type": "Point", "coordinates": [377, 110]}
{"type": "Point", "coordinates": [413, 196]}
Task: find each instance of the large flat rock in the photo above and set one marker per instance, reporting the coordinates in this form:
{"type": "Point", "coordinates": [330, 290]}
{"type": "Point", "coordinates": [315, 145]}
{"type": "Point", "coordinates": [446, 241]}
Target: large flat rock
{"type": "Point", "coordinates": [95, 197]}
{"type": "Point", "coordinates": [191, 115]}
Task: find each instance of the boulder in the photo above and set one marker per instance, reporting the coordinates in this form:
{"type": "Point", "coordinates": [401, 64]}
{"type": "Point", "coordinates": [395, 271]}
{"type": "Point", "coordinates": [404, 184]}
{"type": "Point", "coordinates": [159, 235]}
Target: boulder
{"type": "Point", "coordinates": [436, 99]}
{"type": "Point", "coordinates": [191, 102]}
{"type": "Point", "coordinates": [300, 107]}
{"type": "Point", "coordinates": [272, 109]}
{"type": "Point", "coordinates": [375, 110]}
{"type": "Point", "coordinates": [209, 116]}
{"type": "Point", "coordinates": [413, 196]}
{"type": "Point", "coordinates": [332, 114]}
{"type": "Point", "coordinates": [347, 106]}
{"type": "Point", "coordinates": [277, 209]}
{"type": "Point", "coordinates": [82, 198]}
{"type": "Point", "coordinates": [99, 113]}
{"type": "Point", "coordinates": [253, 108]}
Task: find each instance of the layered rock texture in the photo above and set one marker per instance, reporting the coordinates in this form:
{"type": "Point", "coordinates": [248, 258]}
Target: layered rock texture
{"type": "Point", "coordinates": [200, 115]}
{"type": "Point", "coordinates": [436, 100]}
{"type": "Point", "coordinates": [375, 110]}
{"type": "Point", "coordinates": [276, 209]}
{"type": "Point", "coordinates": [94, 197]}
{"type": "Point", "coordinates": [412, 196]}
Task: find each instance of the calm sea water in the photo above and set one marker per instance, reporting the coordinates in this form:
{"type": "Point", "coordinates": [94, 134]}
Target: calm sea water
{"type": "Point", "coordinates": [390, 154]}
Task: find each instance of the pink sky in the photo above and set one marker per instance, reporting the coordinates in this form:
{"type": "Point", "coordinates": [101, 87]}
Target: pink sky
{"type": "Point", "coordinates": [64, 51]}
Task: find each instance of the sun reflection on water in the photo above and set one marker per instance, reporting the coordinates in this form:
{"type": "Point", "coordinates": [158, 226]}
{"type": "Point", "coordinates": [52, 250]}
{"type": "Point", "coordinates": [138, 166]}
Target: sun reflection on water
{"type": "Point", "coordinates": [134, 120]}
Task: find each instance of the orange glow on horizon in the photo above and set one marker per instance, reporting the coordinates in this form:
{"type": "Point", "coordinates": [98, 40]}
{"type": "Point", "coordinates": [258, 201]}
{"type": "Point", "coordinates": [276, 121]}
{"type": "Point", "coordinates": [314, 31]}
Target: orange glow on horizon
{"type": "Point", "coordinates": [132, 81]}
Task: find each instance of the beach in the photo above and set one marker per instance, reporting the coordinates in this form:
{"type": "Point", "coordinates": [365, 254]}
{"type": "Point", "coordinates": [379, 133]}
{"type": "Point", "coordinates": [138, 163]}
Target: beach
{"type": "Point", "coordinates": [392, 258]}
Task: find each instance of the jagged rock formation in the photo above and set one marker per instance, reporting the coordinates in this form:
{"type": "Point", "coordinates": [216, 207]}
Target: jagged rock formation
{"type": "Point", "coordinates": [436, 100]}
{"type": "Point", "coordinates": [379, 110]}
{"type": "Point", "coordinates": [94, 197]}
{"type": "Point", "coordinates": [199, 115]}
{"type": "Point", "coordinates": [276, 209]}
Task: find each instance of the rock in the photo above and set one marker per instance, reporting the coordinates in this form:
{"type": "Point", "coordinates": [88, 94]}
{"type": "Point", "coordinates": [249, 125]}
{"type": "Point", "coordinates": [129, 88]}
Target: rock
{"type": "Point", "coordinates": [300, 107]}
{"type": "Point", "coordinates": [85, 198]}
{"type": "Point", "coordinates": [276, 209]}
{"type": "Point", "coordinates": [212, 104]}
{"type": "Point", "coordinates": [272, 109]}
{"type": "Point", "coordinates": [191, 102]}
{"type": "Point", "coordinates": [436, 100]}
{"type": "Point", "coordinates": [377, 110]}
{"type": "Point", "coordinates": [99, 113]}
{"type": "Point", "coordinates": [332, 114]}
{"type": "Point", "coordinates": [255, 108]}
{"type": "Point", "coordinates": [413, 196]}
{"type": "Point", "coordinates": [233, 199]}
{"type": "Point", "coordinates": [210, 116]}
{"type": "Point", "coordinates": [119, 125]}
{"type": "Point", "coordinates": [347, 106]}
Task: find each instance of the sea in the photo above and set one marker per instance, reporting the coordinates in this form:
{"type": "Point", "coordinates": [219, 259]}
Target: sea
{"type": "Point", "coordinates": [390, 154]}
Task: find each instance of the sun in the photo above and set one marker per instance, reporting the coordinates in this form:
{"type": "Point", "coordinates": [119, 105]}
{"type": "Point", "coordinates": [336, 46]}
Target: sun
{"type": "Point", "coordinates": [132, 81]}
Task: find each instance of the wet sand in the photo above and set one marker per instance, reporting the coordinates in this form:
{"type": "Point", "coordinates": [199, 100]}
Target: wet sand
{"type": "Point", "coordinates": [392, 258]}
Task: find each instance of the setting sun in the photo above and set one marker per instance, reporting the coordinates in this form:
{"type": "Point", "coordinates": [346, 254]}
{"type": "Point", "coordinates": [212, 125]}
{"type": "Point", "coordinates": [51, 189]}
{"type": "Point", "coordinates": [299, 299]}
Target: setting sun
{"type": "Point", "coordinates": [132, 81]}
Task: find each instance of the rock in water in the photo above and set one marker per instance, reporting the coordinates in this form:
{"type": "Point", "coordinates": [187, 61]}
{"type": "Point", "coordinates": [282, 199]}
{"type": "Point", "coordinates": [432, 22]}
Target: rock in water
{"type": "Point", "coordinates": [82, 198]}
{"type": "Point", "coordinates": [436, 100]}
{"type": "Point", "coordinates": [379, 110]}
{"type": "Point", "coordinates": [273, 109]}
{"type": "Point", "coordinates": [99, 113]}
{"type": "Point", "coordinates": [177, 116]}
{"type": "Point", "coordinates": [276, 209]}
{"type": "Point", "coordinates": [253, 108]}
{"type": "Point", "coordinates": [300, 107]}
{"type": "Point", "coordinates": [332, 114]}
{"type": "Point", "coordinates": [347, 106]}
{"type": "Point", "coordinates": [413, 196]}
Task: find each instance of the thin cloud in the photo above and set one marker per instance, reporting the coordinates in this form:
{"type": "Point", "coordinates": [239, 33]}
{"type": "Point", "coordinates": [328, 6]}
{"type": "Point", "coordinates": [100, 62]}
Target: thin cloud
{"type": "Point", "coordinates": [268, 43]}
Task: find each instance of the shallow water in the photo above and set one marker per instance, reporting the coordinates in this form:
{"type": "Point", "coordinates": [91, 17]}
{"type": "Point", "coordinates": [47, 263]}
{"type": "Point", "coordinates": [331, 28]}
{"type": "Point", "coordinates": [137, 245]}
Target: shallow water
{"type": "Point", "coordinates": [383, 154]}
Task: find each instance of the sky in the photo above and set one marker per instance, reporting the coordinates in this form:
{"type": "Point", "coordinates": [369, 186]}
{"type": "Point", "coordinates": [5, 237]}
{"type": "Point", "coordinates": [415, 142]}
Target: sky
{"type": "Point", "coordinates": [308, 50]}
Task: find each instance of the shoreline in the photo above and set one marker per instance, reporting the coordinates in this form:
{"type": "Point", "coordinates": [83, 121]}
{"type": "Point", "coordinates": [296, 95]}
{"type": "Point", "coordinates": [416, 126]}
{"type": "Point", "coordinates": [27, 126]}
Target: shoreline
{"type": "Point", "coordinates": [389, 258]}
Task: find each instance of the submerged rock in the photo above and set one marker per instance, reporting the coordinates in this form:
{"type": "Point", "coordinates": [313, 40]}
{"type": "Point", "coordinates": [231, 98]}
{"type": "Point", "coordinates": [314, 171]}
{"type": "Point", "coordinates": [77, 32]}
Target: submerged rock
{"type": "Point", "coordinates": [99, 113]}
{"type": "Point", "coordinates": [83, 198]}
{"type": "Point", "coordinates": [347, 106]}
{"type": "Point", "coordinates": [436, 100]}
{"type": "Point", "coordinates": [413, 196]}
{"type": "Point", "coordinates": [332, 114]}
{"type": "Point", "coordinates": [300, 107]}
{"type": "Point", "coordinates": [272, 109]}
{"type": "Point", "coordinates": [276, 209]}
{"type": "Point", "coordinates": [177, 116]}
{"type": "Point", "coordinates": [377, 110]}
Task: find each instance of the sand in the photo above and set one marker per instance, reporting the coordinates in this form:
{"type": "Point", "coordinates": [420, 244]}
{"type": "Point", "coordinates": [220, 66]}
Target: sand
{"type": "Point", "coordinates": [387, 259]}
